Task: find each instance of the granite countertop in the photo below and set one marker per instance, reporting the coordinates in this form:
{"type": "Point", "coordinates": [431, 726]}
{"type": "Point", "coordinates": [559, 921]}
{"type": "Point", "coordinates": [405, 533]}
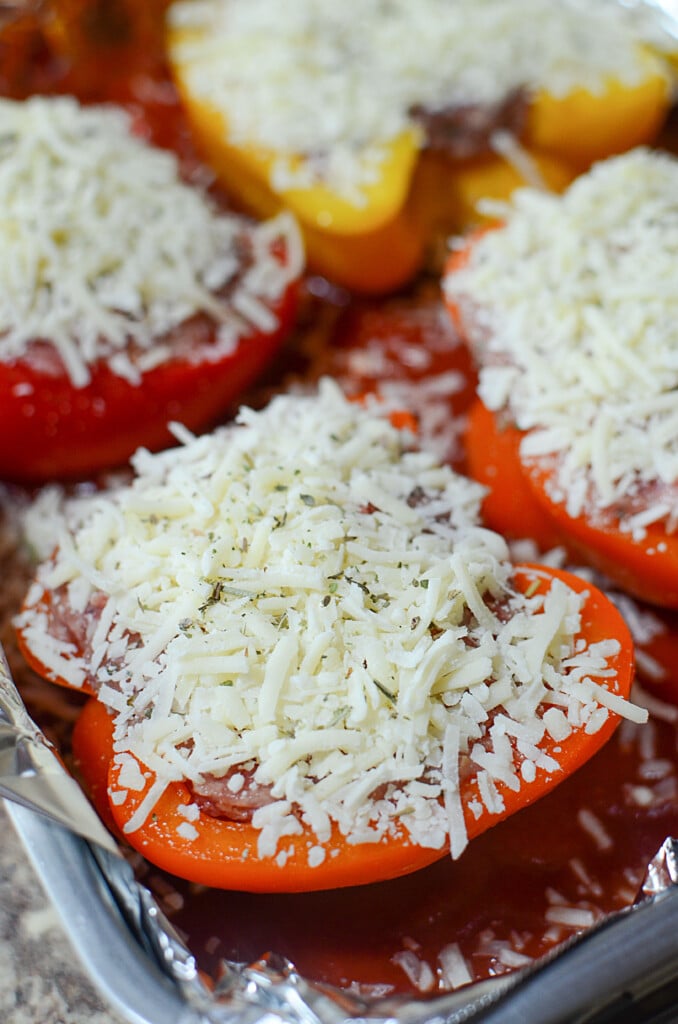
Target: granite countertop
{"type": "Point", "coordinates": [41, 979]}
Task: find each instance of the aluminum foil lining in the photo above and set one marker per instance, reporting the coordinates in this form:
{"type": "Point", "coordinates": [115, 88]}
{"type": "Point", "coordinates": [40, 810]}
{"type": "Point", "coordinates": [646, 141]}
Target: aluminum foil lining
{"type": "Point", "coordinates": [626, 968]}
{"type": "Point", "coordinates": [32, 774]}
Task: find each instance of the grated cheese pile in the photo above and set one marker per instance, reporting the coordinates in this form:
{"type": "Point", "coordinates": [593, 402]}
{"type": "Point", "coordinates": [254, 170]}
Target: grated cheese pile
{"type": "Point", "coordinates": [574, 305]}
{"type": "Point", "coordinates": [299, 595]}
{"type": "Point", "coordinates": [103, 249]}
{"type": "Point", "coordinates": [334, 82]}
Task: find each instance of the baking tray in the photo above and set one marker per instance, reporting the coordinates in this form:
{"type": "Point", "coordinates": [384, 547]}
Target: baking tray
{"type": "Point", "coordinates": [623, 971]}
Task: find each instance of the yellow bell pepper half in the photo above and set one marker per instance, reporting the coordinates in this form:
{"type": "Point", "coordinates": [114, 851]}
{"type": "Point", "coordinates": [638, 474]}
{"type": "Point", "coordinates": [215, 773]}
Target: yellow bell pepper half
{"type": "Point", "coordinates": [378, 243]}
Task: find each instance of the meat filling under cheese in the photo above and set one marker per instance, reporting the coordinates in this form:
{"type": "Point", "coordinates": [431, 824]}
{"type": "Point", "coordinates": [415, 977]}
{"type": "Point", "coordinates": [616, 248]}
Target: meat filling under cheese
{"type": "Point", "coordinates": [104, 250]}
{"type": "Point", "coordinates": [573, 308]}
{"type": "Point", "coordinates": [301, 611]}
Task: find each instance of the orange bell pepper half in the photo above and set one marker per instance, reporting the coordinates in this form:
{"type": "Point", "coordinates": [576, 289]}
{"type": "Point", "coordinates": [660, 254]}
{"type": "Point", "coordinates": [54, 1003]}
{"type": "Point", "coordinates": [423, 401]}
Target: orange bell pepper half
{"type": "Point", "coordinates": [647, 567]}
{"type": "Point", "coordinates": [223, 853]}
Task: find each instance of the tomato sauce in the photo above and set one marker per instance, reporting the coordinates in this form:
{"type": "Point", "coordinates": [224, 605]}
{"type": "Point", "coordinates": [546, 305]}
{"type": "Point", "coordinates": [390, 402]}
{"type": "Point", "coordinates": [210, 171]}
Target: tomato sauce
{"type": "Point", "coordinates": [530, 882]}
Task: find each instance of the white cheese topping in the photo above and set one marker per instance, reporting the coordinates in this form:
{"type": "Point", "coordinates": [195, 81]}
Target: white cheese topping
{"type": "Point", "coordinates": [103, 249]}
{"type": "Point", "coordinates": [298, 596]}
{"type": "Point", "coordinates": [333, 82]}
{"type": "Point", "coordinates": [574, 308]}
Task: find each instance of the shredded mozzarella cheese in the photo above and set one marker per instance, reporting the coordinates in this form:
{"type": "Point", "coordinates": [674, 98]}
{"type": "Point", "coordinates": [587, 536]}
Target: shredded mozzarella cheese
{"type": "Point", "coordinates": [573, 305]}
{"type": "Point", "coordinates": [300, 597]}
{"type": "Point", "coordinates": [334, 82]}
{"type": "Point", "coordinates": [103, 249]}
